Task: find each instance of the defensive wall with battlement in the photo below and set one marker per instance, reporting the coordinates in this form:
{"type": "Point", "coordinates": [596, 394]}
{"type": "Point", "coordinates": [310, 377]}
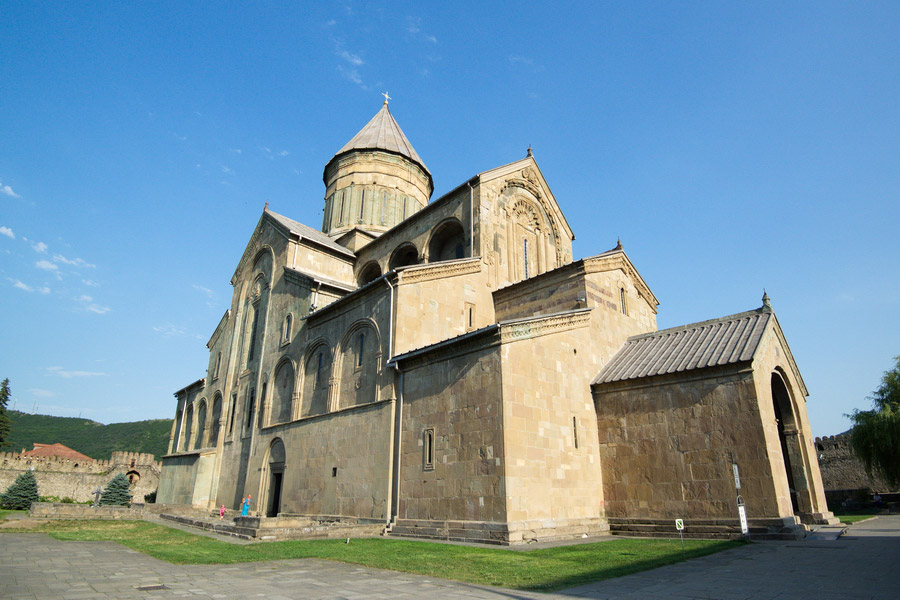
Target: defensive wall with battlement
{"type": "Point", "coordinates": [67, 478]}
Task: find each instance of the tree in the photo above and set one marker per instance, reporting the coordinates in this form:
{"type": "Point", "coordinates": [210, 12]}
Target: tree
{"type": "Point", "coordinates": [21, 493]}
{"type": "Point", "coordinates": [117, 492]}
{"type": "Point", "coordinates": [5, 423]}
{"type": "Point", "coordinates": [875, 437]}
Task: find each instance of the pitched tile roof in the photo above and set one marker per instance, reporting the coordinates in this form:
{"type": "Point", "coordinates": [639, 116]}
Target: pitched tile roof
{"type": "Point", "coordinates": [309, 233]}
{"type": "Point", "coordinates": [383, 133]}
{"type": "Point", "coordinates": [58, 450]}
{"type": "Point", "coordinates": [712, 343]}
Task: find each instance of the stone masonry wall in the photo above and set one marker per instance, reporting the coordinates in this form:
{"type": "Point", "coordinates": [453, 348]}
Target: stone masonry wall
{"type": "Point", "coordinates": [841, 470]}
{"type": "Point", "coordinates": [77, 480]}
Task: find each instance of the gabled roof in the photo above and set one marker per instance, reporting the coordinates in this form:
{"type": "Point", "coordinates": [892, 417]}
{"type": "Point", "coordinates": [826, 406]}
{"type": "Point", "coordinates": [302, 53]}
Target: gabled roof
{"type": "Point", "coordinates": [529, 161]}
{"type": "Point", "coordinates": [57, 450]}
{"type": "Point", "coordinates": [383, 133]}
{"type": "Point", "coordinates": [722, 341]}
{"type": "Point", "coordinates": [308, 233]}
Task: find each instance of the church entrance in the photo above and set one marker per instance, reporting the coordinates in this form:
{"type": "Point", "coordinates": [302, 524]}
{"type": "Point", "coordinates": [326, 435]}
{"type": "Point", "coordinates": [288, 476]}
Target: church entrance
{"type": "Point", "coordinates": [274, 478]}
{"type": "Point", "coordinates": [791, 452]}
{"type": "Point", "coordinates": [275, 494]}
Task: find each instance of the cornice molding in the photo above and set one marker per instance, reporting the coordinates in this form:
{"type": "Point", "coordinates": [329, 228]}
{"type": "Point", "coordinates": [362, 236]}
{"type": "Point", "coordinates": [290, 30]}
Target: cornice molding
{"type": "Point", "coordinates": [219, 328]}
{"type": "Point", "coordinates": [513, 331]}
{"type": "Point", "coordinates": [440, 270]}
{"type": "Point", "coordinates": [619, 260]}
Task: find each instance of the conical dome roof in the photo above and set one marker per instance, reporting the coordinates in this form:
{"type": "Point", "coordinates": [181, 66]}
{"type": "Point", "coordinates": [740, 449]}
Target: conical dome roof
{"type": "Point", "coordinates": [383, 133]}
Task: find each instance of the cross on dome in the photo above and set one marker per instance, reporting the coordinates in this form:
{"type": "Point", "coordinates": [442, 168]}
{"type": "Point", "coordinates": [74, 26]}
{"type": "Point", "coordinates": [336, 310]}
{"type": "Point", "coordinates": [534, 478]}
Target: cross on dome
{"type": "Point", "coordinates": [386, 97]}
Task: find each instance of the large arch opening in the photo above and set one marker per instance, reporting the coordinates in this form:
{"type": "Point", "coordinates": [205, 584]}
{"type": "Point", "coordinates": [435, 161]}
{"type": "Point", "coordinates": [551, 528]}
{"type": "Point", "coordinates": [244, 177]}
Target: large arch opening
{"type": "Point", "coordinates": [369, 273]}
{"type": "Point", "coordinates": [447, 242]}
{"type": "Point", "coordinates": [405, 255]}
{"type": "Point", "coordinates": [790, 441]}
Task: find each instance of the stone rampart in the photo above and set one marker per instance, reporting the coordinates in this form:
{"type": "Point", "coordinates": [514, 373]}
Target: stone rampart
{"type": "Point", "coordinates": [842, 471]}
{"type": "Point", "coordinates": [66, 478]}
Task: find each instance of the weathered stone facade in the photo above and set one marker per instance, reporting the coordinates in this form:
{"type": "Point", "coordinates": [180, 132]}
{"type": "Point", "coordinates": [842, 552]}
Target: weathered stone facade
{"type": "Point", "coordinates": [431, 367]}
{"type": "Point", "coordinates": [77, 480]}
{"type": "Point", "coordinates": [843, 474]}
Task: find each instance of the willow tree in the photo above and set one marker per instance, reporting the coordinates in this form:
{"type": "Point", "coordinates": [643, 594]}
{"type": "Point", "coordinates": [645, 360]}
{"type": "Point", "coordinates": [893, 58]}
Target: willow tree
{"type": "Point", "coordinates": [875, 437]}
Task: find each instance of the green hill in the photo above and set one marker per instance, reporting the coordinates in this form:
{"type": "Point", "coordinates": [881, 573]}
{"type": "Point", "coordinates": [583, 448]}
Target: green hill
{"type": "Point", "coordinates": [89, 437]}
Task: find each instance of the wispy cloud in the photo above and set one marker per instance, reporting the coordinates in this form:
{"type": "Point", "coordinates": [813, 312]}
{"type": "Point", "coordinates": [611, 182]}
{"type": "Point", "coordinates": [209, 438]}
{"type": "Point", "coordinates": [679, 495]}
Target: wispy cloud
{"type": "Point", "coordinates": [271, 154]}
{"type": "Point", "coordinates": [204, 290]}
{"type": "Point", "coordinates": [66, 374]}
{"type": "Point", "coordinates": [27, 288]}
{"type": "Point", "coordinates": [183, 138]}
{"type": "Point", "coordinates": [169, 330]}
{"type": "Point", "coordinates": [518, 59]}
{"type": "Point", "coordinates": [352, 75]}
{"type": "Point", "coordinates": [235, 150]}
{"type": "Point", "coordinates": [5, 189]}
{"type": "Point", "coordinates": [227, 170]}
{"type": "Point", "coordinates": [7, 232]}
{"type": "Point", "coordinates": [84, 298]}
{"type": "Point", "coordinates": [351, 58]}
{"type": "Point", "coordinates": [414, 28]}
{"type": "Point", "coordinates": [100, 310]}
{"type": "Point", "coordinates": [39, 393]}
{"type": "Point", "coordinates": [46, 265]}
{"type": "Point", "coordinates": [90, 283]}
{"type": "Point", "coordinates": [73, 262]}
{"type": "Point", "coordinates": [40, 247]}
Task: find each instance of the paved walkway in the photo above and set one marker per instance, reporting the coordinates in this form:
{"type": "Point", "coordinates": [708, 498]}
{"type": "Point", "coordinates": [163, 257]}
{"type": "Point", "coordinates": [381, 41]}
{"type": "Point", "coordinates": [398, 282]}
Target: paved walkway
{"type": "Point", "coordinates": [859, 565]}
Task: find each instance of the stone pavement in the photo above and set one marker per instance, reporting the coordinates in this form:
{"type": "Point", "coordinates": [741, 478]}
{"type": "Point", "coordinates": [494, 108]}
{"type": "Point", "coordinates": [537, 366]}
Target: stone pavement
{"type": "Point", "coordinates": [859, 565]}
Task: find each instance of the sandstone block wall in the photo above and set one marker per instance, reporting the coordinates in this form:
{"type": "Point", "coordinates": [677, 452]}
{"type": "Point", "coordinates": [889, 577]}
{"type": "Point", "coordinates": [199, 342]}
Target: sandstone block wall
{"type": "Point", "coordinates": [459, 400]}
{"type": "Point", "coordinates": [666, 448]}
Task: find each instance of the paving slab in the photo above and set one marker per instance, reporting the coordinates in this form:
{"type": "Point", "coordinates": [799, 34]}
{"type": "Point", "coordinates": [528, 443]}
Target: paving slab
{"type": "Point", "coordinates": [858, 565]}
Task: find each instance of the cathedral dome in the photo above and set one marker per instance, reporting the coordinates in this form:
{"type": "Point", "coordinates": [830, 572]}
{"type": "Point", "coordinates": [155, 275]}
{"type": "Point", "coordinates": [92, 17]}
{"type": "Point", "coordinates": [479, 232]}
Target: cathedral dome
{"type": "Point", "coordinates": [375, 180]}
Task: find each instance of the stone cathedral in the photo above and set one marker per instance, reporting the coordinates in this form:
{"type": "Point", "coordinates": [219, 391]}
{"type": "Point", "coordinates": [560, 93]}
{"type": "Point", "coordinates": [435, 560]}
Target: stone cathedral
{"type": "Point", "coordinates": [446, 368]}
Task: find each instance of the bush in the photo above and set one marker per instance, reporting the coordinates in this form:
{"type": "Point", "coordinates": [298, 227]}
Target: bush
{"type": "Point", "coordinates": [117, 492]}
{"type": "Point", "coordinates": [68, 500]}
{"type": "Point", "coordinates": [21, 493]}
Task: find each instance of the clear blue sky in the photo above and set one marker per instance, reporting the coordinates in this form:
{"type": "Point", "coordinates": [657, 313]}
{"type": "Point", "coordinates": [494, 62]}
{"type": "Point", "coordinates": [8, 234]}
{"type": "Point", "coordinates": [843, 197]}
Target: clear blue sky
{"type": "Point", "coordinates": [732, 146]}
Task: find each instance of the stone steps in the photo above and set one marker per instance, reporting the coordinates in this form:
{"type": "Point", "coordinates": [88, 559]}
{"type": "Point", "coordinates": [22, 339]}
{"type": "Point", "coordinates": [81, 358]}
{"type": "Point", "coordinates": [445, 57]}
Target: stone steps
{"type": "Point", "coordinates": [760, 529]}
{"type": "Point", "coordinates": [278, 528]}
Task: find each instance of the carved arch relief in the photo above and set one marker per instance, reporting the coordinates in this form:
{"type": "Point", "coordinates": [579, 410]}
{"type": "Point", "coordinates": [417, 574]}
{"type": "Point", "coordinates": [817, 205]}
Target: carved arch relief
{"type": "Point", "coordinates": [528, 242]}
{"type": "Point", "coordinates": [527, 187]}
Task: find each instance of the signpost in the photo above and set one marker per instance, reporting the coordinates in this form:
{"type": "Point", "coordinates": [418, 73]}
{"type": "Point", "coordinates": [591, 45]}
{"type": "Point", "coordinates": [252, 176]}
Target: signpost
{"type": "Point", "coordinates": [679, 525]}
{"type": "Point", "coordinates": [742, 511]}
{"type": "Point", "coordinates": [742, 515]}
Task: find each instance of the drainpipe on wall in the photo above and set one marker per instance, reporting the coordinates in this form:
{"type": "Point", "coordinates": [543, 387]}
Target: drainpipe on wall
{"type": "Point", "coordinates": [471, 222]}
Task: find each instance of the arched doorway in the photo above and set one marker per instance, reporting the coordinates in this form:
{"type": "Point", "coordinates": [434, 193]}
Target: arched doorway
{"type": "Point", "coordinates": [276, 478]}
{"type": "Point", "coordinates": [790, 441]}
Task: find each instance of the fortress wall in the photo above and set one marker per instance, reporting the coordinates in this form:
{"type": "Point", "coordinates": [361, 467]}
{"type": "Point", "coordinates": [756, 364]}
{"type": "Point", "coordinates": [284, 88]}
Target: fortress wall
{"type": "Point", "coordinates": [64, 477]}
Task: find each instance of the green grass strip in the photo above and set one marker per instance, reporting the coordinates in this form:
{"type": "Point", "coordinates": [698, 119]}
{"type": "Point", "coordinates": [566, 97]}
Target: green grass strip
{"type": "Point", "coordinates": [541, 570]}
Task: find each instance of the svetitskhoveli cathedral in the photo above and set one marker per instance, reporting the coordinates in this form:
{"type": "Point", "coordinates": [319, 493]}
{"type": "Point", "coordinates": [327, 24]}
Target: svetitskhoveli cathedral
{"type": "Point", "coordinates": [445, 367]}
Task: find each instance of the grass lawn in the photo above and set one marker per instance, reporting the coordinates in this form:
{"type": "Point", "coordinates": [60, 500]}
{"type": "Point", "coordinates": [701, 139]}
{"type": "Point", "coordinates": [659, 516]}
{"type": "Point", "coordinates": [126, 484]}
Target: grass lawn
{"type": "Point", "coordinates": [3, 513]}
{"type": "Point", "coordinates": [542, 570]}
{"type": "Point", "coordinates": [851, 517]}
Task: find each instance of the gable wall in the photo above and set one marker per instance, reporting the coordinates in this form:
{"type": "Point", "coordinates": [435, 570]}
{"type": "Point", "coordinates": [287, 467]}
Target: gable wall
{"type": "Point", "coordinates": [666, 446]}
